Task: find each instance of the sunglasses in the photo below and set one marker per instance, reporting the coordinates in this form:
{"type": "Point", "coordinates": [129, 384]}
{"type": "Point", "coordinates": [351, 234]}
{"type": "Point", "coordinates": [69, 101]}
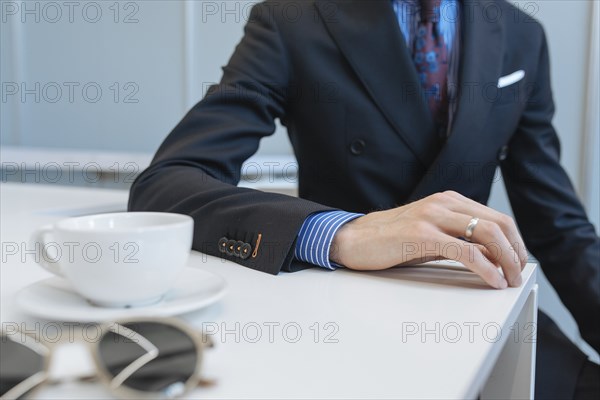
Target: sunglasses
{"type": "Point", "coordinates": [141, 358]}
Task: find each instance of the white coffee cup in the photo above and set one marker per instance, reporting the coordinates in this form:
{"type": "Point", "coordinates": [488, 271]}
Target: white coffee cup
{"type": "Point", "coordinates": [117, 260]}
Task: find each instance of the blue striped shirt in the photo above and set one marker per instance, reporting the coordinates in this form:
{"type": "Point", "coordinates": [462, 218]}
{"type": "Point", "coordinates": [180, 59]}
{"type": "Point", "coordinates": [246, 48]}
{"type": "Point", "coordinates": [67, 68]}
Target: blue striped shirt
{"type": "Point", "coordinates": [316, 235]}
{"type": "Point", "coordinates": [317, 231]}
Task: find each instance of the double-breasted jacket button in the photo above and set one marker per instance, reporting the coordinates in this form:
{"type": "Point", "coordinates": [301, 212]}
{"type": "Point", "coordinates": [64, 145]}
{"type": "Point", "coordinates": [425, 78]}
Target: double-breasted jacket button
{"type": "Point", "coordinates": [357, 147]}
{"type": "Point", "coordinates": [503, 153]}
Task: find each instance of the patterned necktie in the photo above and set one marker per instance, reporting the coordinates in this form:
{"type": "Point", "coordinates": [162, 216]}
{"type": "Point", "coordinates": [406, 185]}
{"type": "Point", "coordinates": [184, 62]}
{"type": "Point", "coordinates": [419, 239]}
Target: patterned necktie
{"type": "Point", "coordinates": [430, 55]}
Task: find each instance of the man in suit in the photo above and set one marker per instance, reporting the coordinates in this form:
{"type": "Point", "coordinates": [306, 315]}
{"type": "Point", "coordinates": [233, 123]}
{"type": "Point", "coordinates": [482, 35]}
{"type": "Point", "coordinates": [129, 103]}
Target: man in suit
{"type": "Point", "coordinates": [399, 112]}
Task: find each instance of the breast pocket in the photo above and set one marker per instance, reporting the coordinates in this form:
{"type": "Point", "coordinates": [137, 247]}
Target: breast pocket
{"type": "Point", "coordinates": [513, 94]}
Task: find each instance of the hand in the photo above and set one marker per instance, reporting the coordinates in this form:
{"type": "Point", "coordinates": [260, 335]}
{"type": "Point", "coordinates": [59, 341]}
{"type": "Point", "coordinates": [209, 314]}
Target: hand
{"type": "Point", "coordinates": [428, 230]}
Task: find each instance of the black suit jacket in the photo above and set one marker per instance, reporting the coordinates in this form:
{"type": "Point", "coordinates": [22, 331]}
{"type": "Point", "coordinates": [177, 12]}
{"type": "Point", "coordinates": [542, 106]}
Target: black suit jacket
{"type": "Point", "coordinates": [340, 78]}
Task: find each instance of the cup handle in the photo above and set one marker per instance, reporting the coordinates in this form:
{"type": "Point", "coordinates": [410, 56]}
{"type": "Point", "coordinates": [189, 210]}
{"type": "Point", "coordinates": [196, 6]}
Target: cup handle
{"type": "Point", "coordinates": [39, 237]}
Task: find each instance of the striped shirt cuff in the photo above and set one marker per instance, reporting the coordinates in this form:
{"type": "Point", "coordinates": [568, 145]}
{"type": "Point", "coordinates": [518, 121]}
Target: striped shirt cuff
{"type": "Point", "coordinates": [316, 235]}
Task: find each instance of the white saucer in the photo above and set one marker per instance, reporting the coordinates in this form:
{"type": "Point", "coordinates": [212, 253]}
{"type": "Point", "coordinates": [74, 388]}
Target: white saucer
{"type": "Point", "coordinates": [55, 299]}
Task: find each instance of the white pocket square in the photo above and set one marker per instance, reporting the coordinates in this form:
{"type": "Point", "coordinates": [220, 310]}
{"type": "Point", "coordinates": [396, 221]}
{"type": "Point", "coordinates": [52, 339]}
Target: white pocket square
{"type": "Point", "coordinates": [509, 79]}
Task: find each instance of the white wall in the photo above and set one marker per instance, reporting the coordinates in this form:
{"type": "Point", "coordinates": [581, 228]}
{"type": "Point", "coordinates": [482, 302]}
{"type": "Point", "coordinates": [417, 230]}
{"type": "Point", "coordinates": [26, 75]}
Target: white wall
{"type": "Point", "coordinates": [139, 48]}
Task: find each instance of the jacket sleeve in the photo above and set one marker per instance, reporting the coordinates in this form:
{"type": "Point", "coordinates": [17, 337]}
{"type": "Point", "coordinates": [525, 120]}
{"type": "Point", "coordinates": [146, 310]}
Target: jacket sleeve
{"type": "Point", "coordinates": [198, 166]}
{"type": "Point", "coordinates": [554, 224]}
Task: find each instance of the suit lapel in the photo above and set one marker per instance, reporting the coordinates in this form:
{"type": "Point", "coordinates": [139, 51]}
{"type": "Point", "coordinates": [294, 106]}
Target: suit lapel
{"type": "Point", "coordinates": [480, 68]}
{"type": "Point", "coordinates": [368, 34]}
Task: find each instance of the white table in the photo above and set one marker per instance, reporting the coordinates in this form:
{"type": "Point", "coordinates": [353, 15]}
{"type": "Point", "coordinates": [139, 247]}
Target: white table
{"type": "Point", "coordinates": [420, 332]}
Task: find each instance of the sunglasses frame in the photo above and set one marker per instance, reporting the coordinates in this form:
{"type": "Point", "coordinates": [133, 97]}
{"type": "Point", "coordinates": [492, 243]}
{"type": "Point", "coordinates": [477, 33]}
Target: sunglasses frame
{"type": "Point", "coordinates": [46, 350]}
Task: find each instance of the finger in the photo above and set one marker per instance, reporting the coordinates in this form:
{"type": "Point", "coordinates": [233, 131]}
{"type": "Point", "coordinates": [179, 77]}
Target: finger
{"type": "Point", "coordinates": [472, 258]}
{"type": "Point", "coordinates": [492, 237]}
{"type": "Point", "coordinates": [464, 205]}
{"type": "Point", "coordinates": [499, 250]}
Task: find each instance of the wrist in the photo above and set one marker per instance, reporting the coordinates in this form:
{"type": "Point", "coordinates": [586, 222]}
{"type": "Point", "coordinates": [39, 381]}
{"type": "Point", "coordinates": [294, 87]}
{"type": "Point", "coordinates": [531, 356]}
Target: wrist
{"type": "Point", "coordinates": [341, 245]}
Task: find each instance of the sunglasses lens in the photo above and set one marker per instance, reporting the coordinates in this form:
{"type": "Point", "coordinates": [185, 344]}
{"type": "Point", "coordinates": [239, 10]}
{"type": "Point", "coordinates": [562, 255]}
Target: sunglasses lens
{"type": "Point", "coordinates": [149, 357]}
{"type": "Point", "coordinates": [18, 363]}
